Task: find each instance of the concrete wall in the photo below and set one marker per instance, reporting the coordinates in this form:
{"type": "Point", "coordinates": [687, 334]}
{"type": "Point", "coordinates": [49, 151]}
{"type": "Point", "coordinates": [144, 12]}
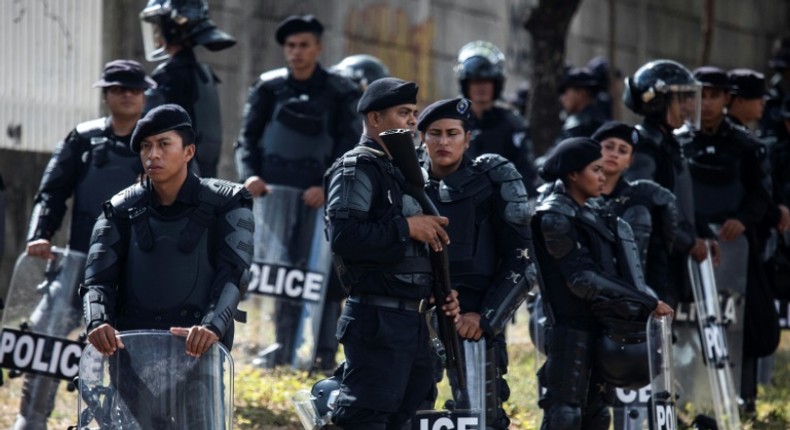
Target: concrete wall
{"type": "Point", "coordinates": [649, 29]}
{"type": "Point", "coordinates": [418, 39]}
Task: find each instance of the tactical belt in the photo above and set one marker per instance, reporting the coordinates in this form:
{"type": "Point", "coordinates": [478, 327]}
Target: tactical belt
{"type": "Point", "coordinates": [390, 302]}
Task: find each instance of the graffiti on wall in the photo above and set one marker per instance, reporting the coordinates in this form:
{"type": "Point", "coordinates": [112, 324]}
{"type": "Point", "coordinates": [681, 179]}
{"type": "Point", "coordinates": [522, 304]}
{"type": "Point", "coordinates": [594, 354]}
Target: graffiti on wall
{"type": "Point", "coordinates": [389, 34]}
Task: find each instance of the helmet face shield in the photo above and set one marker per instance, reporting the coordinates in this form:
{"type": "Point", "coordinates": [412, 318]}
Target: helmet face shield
{"type": "Point", "coordinates": [684, 106]}
{"type": "Point", "coordinates": [153, 39]}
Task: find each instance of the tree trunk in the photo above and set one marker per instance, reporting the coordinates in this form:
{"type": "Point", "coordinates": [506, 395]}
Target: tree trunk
{"type": "Point", "coordinates": [548, 24]}
{"type": "Point", "coordinates": [708, 23]}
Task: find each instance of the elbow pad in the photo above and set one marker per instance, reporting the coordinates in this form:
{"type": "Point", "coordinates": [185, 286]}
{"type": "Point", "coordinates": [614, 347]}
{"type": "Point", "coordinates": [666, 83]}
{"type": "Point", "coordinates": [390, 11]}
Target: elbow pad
{"type": "Point", "coordinates": [512, 291]}
{"type": "Point", "coordinates": [220, 314]}
{"type": "Point", "coordinates": [590, 286]}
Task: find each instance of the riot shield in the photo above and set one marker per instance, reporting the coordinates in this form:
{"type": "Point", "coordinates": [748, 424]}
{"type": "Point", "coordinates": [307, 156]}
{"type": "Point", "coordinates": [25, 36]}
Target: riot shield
{"type": "Point", "coordinates": [2, 231]}
{"type": "Point", "coordinates": [662, 412]}
{"type": "Point", "coordinates": [153, 384]}
{"type": "Point", "coordinates": [698, 340]}
{"type": "Point", "coordinates": [290, 271]}
{"type": "Point", "coordinates": [538, 327]}
{"type": "Point", "coordinates": [479, 399]}
{"type": "Point", "coordinates": [42, 314]}
{"type": "Point", "coordinates": [630, 410]}
{"type": "Point", "coordinates": [41, 325]}
{"type": "Point", "coordinates": [714, 342]}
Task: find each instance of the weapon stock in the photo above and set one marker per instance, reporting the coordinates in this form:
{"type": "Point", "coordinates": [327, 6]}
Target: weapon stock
{"type": "Point", "coordinates": [401, 147]}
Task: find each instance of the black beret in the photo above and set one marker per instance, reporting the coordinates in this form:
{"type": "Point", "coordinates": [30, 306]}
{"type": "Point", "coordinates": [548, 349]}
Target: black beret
{"type": "Point", "coordinates": [124, 73]}
{"type": "Point", "coordinates": [578, 77]}
{"type": "Point", "coordinates": [617, 130]}
{"type": "Point", "coordinates": [297, 24]}
{"type": "Point", "coordinates": [387, 92]}
{"type": "Point", "coordinates": [570, 155]}
{"type": "Point", "coordinates": [457, 108]}
{"type": "Point", "coordinates": [747, 83]}
{"type": "Point", "coordinates": [714, 77]}
{"type": "Point", "coordinates": [159, 120]}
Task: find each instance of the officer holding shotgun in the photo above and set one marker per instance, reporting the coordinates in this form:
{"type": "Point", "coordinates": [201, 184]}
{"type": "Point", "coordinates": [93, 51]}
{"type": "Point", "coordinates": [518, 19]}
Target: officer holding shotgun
{"type": "Point", "coordinates": [381, 243]}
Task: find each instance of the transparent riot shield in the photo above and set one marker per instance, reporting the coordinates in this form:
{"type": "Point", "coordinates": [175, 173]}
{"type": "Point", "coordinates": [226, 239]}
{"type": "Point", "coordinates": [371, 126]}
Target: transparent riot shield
{"type": "Point", "coordinates": [538, 327]}
{"type": "Point", "coordinates": [481, 380]}
{"type": "Point", "coordinates": [42, 316]}
{"type": "Point", "coordinates": [714, 343]}
{"type": "Point", "coordinates": [468, 409]}
{"type": "Point", "coordinates": [290, 270]}
{"type": "Point", "coordinates": [699, 338]}
{"type": "Point", "coordinates": [662, 410]}
{"type": "Point", "coordinates": [153, 384]}
{"type": "Point", "coordinates": [42, 321]}
{"type": "Point", "coordinates": [630, 410]}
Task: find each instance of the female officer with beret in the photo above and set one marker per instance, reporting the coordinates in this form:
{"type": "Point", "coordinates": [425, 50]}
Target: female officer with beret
{"type": "Point", "coordinates": [588, 290]}
{"type": "Point", "coordinates": [491, 255]}
{"type": "Point", "coordinates": [647, 207]}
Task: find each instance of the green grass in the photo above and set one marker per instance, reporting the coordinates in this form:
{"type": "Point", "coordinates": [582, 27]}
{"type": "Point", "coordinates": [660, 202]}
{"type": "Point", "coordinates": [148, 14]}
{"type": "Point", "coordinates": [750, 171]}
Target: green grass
{"type": "Point", "coordinates": [262, 397]}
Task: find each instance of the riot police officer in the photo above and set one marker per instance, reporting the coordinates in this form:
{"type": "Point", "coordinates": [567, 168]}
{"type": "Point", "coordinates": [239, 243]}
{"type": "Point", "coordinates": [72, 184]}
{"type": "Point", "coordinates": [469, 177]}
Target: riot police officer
{"type": "Point", "coordinates": [363, 69]}
{"type": "Point", "coordinates": [142, 271]}
{"type": "Point", "coordinates": [496, 129]}
{"type": "Point", "coordinates": [380, 240]}
{"type": "Point", "coordinates": [151, 237]}
{"type": "Point", "coordinates": [748, 96]}
{"type": "Point", "coordinates": [591, 286]}
{"type": "Point", "coordinates": [490, 259]}
{"type": "Point", "coordinates": [297, 121]}
{"type": "Point", "coordinates": [666, 94]}
{"type": "Point", "coordinates": [577, 96]}
{"type": "Point", "coordinates": [756, 212]}
{"type": "Point", "coordinates": [91, 164]}
{"type": "Point", "coordinates": [302, 102]}
{"type": "Point", "coordinates": [647, 207]}
{"type": "Point", "coordinates": [171, 29]}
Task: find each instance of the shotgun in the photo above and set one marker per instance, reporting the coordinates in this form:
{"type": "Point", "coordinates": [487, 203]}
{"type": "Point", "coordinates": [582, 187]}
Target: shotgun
{"type": "Point", "coordinates": [401, 147]}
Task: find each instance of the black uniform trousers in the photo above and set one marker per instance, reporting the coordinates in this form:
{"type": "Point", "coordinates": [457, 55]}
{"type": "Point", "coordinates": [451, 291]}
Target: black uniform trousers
{"type": "Point", "coordinates": [389, 367]}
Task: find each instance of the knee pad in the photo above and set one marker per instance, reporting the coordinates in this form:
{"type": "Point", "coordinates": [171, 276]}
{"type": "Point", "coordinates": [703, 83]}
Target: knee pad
{"type": "Point", "coordinates": [563, 417]}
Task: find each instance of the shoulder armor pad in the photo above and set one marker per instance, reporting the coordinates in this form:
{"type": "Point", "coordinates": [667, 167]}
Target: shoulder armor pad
{"type": "Point", "coordinates": [126, 201]}
{"type": "Point", "coordinates": [91, 128]}
{"type": "Point", "coordinates": [274, 76]}
{"type": "Point", "coordinates": [504, 173]}
{"type": "Point", "coordinates": [487, 162]}
{"type": "Point", "coordinates": [340, 84]}
{"type": "Point", "coordinates": [363, 152]}
{"type": "Point", "coordinates": [558, 203]}
{"type": "Point", "coordinates": [219, 192]}
{"type": "Point", "coordinates": [653, 192]}
{"type": "Point", "coordinates": [351, 157]}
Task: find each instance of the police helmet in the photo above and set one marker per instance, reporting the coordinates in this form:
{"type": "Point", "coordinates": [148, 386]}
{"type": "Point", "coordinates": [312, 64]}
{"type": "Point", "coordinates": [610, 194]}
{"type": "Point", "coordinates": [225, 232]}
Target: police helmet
{"type": "Point", "coordinates": [325, 394]}
{"type": "Point", "coordinates": [362, 68]}
{"type": "Point", "coordinates": [654, 86]}
{"type": "Point", "coordinates": [179, 21]}
{"type": "Point", "coordinates": [480, 60]}
{"type": "Point", "coordinates": [622, 354]}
